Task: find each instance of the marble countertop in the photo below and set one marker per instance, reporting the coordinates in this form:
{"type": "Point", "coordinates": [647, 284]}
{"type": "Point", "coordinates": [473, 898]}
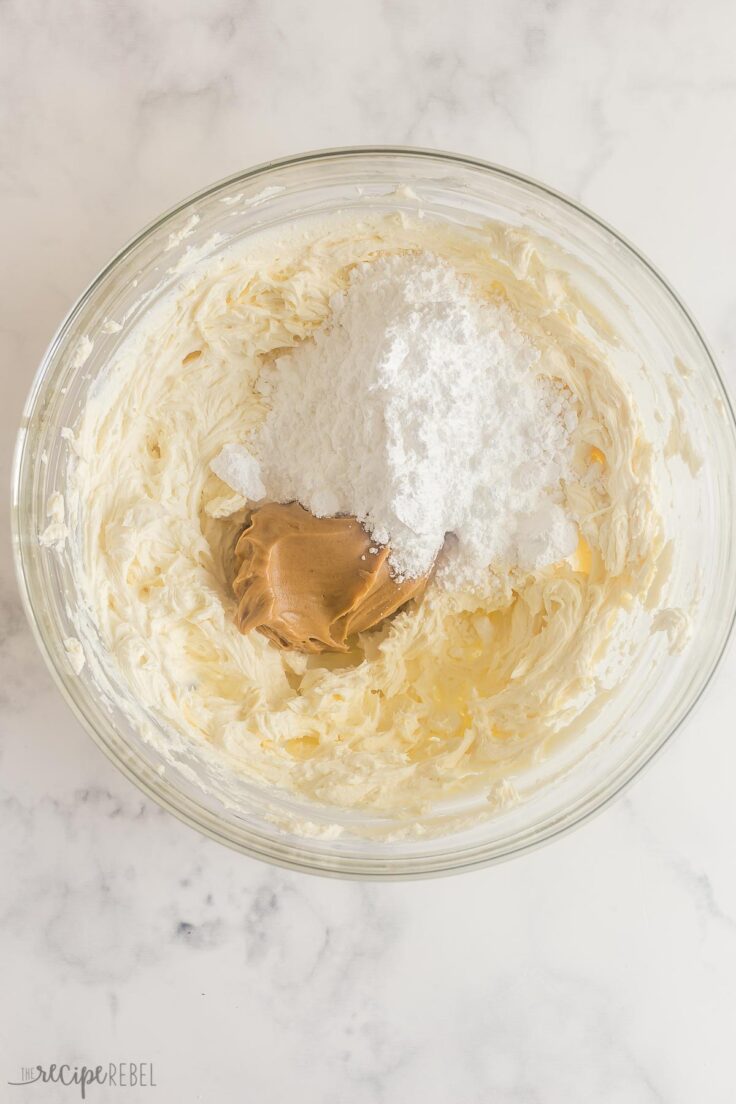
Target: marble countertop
{"type": "Point", "coordinates": [599, 969]}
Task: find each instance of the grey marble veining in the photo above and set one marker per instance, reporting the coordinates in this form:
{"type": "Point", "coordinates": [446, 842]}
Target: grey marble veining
{"type": "Point", "coordinates": [600, 969]}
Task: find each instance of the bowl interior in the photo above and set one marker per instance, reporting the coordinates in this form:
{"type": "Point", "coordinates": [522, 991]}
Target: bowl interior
{"type": "Point", "coordinates": [656, 349]}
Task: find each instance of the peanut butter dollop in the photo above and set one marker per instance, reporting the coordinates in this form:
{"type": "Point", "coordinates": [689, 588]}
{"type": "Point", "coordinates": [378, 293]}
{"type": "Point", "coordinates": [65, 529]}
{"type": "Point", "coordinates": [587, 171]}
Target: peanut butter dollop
{"type": "Point", "coordinates": [308, 583]}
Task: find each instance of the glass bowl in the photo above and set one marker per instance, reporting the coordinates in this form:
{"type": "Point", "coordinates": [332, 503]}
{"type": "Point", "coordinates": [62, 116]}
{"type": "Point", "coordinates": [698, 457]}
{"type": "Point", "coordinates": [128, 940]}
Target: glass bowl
{"type": "Point", "coordinates": [658, 351]}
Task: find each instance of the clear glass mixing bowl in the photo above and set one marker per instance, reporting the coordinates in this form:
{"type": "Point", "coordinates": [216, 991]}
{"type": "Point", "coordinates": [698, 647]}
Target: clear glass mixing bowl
{"type": "Point", "coordinates": [658, 343]}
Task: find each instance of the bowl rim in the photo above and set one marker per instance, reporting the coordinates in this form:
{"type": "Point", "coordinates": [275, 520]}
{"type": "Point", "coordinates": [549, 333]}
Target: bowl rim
{"type": "Point", "coordinates": [299, 857]}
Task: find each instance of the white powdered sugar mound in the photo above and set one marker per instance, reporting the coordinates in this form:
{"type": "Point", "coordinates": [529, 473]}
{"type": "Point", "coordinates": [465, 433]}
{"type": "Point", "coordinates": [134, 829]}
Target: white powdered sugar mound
{"type": "Point", "coordinates": [418, 409]}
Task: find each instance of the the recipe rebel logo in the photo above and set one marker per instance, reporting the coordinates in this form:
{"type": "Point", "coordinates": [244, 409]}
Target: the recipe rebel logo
{"type": "Point", "coordinates": [116, 1075]}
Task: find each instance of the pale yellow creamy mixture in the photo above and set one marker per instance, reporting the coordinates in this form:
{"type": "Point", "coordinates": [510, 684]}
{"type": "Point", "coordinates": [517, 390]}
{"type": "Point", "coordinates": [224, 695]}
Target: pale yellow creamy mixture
{"type": "Point", "coordinates": [459, 687]}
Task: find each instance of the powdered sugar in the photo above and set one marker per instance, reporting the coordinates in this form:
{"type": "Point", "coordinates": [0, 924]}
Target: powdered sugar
{"type": "Point", "coordinates": [240, 470]}
{"type": "Point", "coordinates": [419, 409]}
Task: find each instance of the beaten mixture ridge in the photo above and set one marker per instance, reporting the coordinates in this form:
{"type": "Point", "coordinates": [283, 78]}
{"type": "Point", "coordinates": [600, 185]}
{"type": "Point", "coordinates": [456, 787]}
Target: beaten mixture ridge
{"type": "Point", "coordinates": [456, 691]}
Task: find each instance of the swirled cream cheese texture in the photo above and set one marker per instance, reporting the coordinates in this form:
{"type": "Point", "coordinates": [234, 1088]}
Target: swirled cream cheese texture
{"type": "Point", "coordinates": [445, 699]}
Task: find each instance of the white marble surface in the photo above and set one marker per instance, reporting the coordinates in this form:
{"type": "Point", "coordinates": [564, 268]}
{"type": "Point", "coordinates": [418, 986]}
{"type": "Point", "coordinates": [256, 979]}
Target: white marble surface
{"type": "Point", "coordinates": [601, 969]}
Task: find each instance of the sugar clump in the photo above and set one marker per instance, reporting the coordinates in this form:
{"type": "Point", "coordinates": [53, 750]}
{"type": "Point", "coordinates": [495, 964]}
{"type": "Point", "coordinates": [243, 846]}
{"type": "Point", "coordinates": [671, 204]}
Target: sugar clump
{"type": "Point", "coordinates": [419, 408]}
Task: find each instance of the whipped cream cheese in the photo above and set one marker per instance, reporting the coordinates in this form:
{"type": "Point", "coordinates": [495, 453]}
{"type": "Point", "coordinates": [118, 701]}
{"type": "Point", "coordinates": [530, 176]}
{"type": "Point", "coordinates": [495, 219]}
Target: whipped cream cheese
{"type": "Point", "coordinates": [444, 699]}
